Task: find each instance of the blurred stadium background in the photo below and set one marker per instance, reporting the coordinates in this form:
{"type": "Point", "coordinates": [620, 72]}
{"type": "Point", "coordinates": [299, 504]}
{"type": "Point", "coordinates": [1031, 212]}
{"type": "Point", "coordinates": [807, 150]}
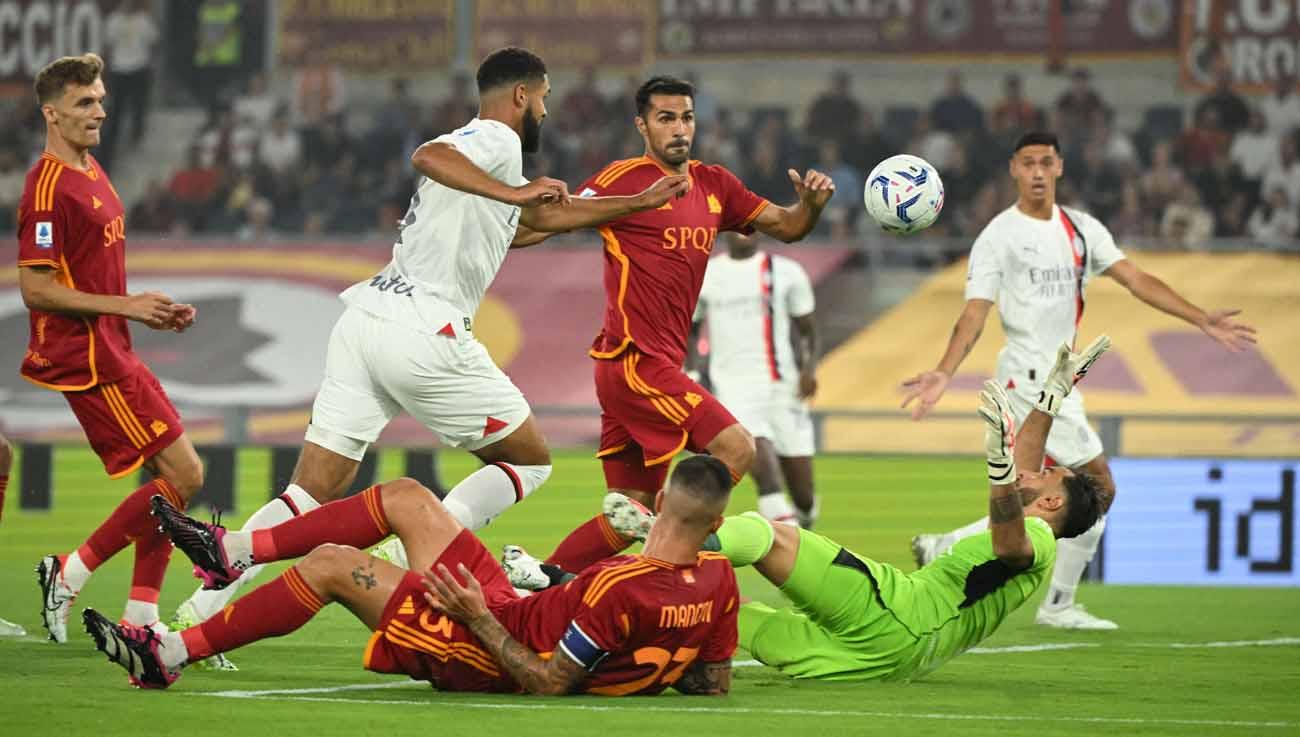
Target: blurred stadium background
{"type": "Point", "coordinates": [261, 149]}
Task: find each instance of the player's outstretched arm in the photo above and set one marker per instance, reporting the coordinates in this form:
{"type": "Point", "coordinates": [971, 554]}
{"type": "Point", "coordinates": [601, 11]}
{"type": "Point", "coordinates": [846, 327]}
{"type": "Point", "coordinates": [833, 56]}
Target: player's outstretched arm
{"type": "Point", "coordinates": [928, 387]}
{"type": "Point", "coordinates": [789, 224]}
{"type": "Point", "coordinates": [44, 291]}
{"type": "Point", "coordinates": [1219, 325]}
{"type": "Point", "coordinates": [464, 603]}
{"type": "Point", "coordinates": [1006, 511]}
{"type": "Point", "coordinates": [585, 212]}
{"type": "Point", "coordinates": [445, 165]}
{"type": "Point", "coordinates": [705, 679]}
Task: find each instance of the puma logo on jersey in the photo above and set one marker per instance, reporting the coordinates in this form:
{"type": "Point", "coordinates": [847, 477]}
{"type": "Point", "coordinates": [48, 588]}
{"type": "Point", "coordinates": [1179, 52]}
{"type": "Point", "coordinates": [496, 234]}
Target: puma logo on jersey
{"type": "Point", "coordinates": [95, 203]}
{"type": "Point", "coordinates": [715, 207]}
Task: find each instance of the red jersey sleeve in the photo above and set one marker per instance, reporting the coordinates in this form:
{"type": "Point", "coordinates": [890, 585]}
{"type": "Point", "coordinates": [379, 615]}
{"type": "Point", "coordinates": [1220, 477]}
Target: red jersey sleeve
{"type": "Point", "coordinates": [722, 641]}
{"type": "Point", "coordinates": [739, 205]}
{"type": "Point", "coordinates": [42, 230]}
{"type": "Point", "coordinates": [599, 629]}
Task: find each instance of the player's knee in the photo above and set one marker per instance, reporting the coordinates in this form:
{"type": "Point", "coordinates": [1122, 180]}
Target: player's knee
{"type": "Point", "coordinates": [408, 499]}
{"type": "Point", "coordinates": [326, 563]}
{"type": "Point", "coordinates": [740, 452]}
{"type": "Point", "coordinates": [187, 478]}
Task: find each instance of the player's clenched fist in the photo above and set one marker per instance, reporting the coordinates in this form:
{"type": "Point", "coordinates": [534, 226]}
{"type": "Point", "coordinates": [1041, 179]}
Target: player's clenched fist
{"type": "Point", "coordinates": [151, 308]}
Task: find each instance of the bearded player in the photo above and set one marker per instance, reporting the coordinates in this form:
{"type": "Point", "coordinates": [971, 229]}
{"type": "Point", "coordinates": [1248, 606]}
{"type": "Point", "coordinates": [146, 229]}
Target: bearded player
{"type": "Point", "coordinates": [72, 273]}
{"type": "Point", "coordinates": [406, 343]}
{"type": "Point", "coordinates": [633, 625]}
{"type": "Point", "coordinates": [1035, 260]}
{"type": "Point", "coordinates": [654, 265]}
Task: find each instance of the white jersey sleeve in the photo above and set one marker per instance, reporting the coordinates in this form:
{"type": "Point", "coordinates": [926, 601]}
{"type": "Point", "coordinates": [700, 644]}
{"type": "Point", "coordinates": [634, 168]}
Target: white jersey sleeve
{"type": "Point", "coordinates": [984, 274]}
{"type": "Point", "coordinates": [1102, 251]}
{"type": "Point", "coordinates": [799, 300]}
{"type": "Point", "coordinates": [494, 149]}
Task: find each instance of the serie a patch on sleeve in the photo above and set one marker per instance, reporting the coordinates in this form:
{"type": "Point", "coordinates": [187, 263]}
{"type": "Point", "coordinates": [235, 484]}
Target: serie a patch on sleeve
{"type": "Point", "coordinates": [45, 234]}
{"type": "Point", "coordinates": [579, 646]}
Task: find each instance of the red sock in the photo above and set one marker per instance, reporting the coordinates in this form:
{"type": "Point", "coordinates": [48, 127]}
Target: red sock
{"type": "Point", "coordinates": [273, 610]}
{"type": "Point", "coordinates": [358, 521]}
{"type": "Point", "coordinates": [592, 542]}
{"type": "Point", "coordinates": [131, 520]}
{"type": "Point", "coordinates": [4, 484]}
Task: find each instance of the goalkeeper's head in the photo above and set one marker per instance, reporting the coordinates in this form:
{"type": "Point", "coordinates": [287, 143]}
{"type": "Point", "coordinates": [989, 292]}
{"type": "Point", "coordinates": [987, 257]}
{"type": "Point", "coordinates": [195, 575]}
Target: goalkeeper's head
{"type": "Point", "coordinates": [1068, 501]}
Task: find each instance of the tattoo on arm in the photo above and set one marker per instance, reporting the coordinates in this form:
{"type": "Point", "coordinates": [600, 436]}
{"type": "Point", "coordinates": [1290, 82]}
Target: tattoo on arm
{"type": "Point", "coordinates": [559, 675]}
{"type": "Point", "coordinates": [365, 576]}
{"type": "Point", "coordinates": [1005, 508]}
{"type": "Point", "coordinates": [970, 344]}
{"type": "Point", "coordinates": [705, 679]}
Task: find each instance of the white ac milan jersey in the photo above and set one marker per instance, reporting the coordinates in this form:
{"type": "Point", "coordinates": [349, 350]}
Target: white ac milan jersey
{"type": "Point", "coordinates": [450, 244]}
{"type": "Point", "coordinates": [748, 305]}
{"type": "Point", "coordinates": [1037, 271]}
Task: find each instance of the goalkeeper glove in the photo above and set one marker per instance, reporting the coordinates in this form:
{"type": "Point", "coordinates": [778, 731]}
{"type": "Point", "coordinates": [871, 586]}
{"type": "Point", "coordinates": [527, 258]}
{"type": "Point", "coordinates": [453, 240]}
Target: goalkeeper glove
{"type": "Point", "coordinates": [1068, 370]}
{"type": "Point", "coordinates": [999, 433]}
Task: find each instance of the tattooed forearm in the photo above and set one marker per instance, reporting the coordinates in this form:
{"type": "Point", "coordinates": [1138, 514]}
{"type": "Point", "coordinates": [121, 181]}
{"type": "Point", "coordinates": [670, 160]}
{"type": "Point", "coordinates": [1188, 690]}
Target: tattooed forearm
{"type": "Point", "coordinates": [705, 679]}
{"type": "Point", "coordinates": [1005, 508]}
{"type": "Point", "coordinates": [365, 576]}
{"type": "Point", "coordinates": [555, 676]}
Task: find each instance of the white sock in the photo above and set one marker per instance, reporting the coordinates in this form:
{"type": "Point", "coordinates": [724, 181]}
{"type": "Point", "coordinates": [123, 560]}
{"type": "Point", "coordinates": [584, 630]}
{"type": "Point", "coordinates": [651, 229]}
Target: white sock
{"type": "Point", "coordinates": [208, 603]}
{"type": "Point", "coordinates": [961, 533]}
{"type": "Point", "coordinates": [75, 574]}
{"type": "Point", "coordinates": [172, 650]}
{"type": "Point", "coordinates": [1072, 557]}
{"type": "Point", "coordinates": [776, 508]}
{"type": "Point", "coordinates": [140, 613]}
{"type": "Point", "coordinates": [483, 495]}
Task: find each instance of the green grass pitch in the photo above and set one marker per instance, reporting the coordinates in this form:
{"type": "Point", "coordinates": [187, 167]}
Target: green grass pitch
{"type": "Point", "coordinates": [1135, 681]}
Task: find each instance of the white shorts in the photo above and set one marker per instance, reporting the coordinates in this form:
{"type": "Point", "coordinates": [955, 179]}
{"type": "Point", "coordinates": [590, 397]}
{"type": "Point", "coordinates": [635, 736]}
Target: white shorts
{"type": "Point", "coordinates": [1072, 442]}
{"type": "Point", "coordinates": [772, 411]}
{"type": "Point", "coordinates": [375, 368]}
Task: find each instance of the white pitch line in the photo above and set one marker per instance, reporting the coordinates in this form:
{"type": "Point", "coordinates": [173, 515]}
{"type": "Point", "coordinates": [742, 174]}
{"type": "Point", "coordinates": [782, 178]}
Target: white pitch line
{"type": "Point", "coordinates": [1224, 643]}
{"type": "Point", "coordinates": [1032, 648]}
{"type": "Point", "coordinates": [553, 706]}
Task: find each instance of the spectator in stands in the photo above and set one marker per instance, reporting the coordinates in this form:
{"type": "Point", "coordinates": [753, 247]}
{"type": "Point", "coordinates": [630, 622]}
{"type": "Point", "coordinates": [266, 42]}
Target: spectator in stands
{"type": "Point", "coordinates": [156, 212]}
{"type": "Point", "coordinates": [130, 34]}
{"type": "Point", "coordinates": [765, 175]}
{"type": "Point", "coordinates": [319, 94]}
{"type": "Point", "coordinates": [1230, 220]}
{"type": "Point", "coordinates": [1282, 108]}
{"type": "Point", "coordinates": [1275, 220]}
{"type": "Point", "coordinates": [583, 106]}
{"type": "Point", "coordinates": [456, 109]}
{"type": "Point", "coordinates": [13, 176]}
{"type": "Point", "coordinates": [841, 216]}
{"type": "Point", "coordinates": [194, 189]}
{"type": "Point", "coordinates": [1132, 220]}
{"type": "Point", "coordinates": [835, 112]}
{"type": "Point", "coordinates": [1163, 179]}
{"type": "Point", "coordinates": [280, 148]}
{"type": "Point", "coordinates": [1013, 112]}
{"type": "Point", "coordinates": [1284, 173]}
{"type": "Point", "coordinates": [869, 147]}
{"type": "Point", "coordinates": [956, 111]}
{"type": "Point", "coordinates": [1205, 140]}
{"type": "Point", "coordinates": [1076, 106]}
{"type": "Point", "coordinates": [1098, 181]}
{"type": "Point", "coordinates": [1116, 146]}
{"type": "Point", "coordinates": [1186, 222]}
{"type": "Point", "coordinates": [214, 140]}
{"type": "Point", "coordinates": [333, 142]}
{"type": "Point", "coordinates": [960, 182]}
{"type": "Point", "coordinates": [722, 145]}
{"type": "Point", "coordinates": [257, 223]}
{"type": "Point", "coordinates": [1253, 149]}
{"type": "Point", "coordinates": [256, 105]}
{"type": "Point", "coordinates": [935, 146]}
{"type": "Point", "coordinates": [707, 107]}
{"type": "Point", "coordinates": [1232, 111]}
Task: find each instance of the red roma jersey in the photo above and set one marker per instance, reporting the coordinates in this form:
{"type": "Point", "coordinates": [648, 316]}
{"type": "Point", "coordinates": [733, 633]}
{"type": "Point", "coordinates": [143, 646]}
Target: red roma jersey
{"type": "Point", "coordinates": [655, 260]}
{"type": "Point", "coordinates": [72, 221]}
{"type": "Point", "coordinates": [635, 623]}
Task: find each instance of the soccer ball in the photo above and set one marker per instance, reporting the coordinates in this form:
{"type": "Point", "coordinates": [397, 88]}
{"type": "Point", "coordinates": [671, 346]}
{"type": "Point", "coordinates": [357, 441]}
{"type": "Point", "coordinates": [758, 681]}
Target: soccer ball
{"type": "Point", "coordinates": [904, 194]}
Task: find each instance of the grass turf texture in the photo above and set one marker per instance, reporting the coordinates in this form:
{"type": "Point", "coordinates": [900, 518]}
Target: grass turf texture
{"type": "Point", "coordinates": [1127, 682]}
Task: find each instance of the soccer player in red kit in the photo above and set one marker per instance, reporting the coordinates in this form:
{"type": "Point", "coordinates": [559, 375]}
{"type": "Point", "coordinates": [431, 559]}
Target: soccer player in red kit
{"type": "Point", "coordinates": [72, 273]}
{"type": "Point", "coordinates": [633, 625]}
{"type": "Point", "coordinates": [654, 267]}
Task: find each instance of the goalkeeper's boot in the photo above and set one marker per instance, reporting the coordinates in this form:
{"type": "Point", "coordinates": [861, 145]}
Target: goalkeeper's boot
{"type": "Point", "coordinates": [56, 597]}
{"type": "Point", "coordinates": [627, 516]}
{"type": "Point", "coordinates": [186, 617]}
{"type": "Point", "coordinates": [523, 570]}
{"type": "Point", "coordinates": [199, 541]}
{"type": "Point", "coordinates": [1072, 617]}
{"type": "Point", "coordinates": [133, 648]}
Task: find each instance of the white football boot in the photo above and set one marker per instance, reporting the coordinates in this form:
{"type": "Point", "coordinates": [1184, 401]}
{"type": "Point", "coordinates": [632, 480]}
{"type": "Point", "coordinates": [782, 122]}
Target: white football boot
{"type": "Point", "coordinates": [1073, 617]}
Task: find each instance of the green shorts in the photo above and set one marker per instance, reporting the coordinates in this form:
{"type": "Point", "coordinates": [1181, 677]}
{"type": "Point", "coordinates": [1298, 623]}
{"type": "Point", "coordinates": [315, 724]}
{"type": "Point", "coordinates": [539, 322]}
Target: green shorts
{"type": "Point", "coordinates": [837, 630]}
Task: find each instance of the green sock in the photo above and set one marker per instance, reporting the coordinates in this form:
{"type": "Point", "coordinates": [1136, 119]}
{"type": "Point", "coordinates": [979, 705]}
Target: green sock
{"type": "Point", "coordinates": [745, 539]}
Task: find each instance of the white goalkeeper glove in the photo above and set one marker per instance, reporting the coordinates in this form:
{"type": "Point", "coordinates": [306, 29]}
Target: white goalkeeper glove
{"type": "Point", "coordinates": [999, 433]}
{"type": "Point", "coordinates": [1069, 369]}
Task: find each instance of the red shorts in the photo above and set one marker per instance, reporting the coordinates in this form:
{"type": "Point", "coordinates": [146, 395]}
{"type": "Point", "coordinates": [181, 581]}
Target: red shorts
{"type": "Point", "coordinates": [416, 640]}
{"type": "Point", "coordinates": [128, 421]}
{"type": "Point", "coordinates": [650, 412]}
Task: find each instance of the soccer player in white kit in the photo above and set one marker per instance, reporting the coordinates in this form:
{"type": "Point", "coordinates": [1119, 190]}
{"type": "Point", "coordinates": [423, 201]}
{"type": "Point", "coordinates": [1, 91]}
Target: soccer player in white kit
{"type": "Point", "coordinates": [1035, 259]}
{"type": "Point", "coordinates": [405, 341]}
{"type": "Point", "coordinates": [751, 302]}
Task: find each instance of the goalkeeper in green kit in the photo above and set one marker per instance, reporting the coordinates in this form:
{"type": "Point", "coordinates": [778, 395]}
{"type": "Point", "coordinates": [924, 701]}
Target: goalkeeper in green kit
{"type": "Point", "coordinates": [857, 619]}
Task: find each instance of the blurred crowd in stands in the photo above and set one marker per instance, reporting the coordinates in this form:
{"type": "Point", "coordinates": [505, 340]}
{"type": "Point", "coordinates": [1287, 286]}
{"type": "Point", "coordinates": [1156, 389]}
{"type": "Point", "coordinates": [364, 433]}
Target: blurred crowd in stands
{"type": "Point", "coordinates": [264, 166]}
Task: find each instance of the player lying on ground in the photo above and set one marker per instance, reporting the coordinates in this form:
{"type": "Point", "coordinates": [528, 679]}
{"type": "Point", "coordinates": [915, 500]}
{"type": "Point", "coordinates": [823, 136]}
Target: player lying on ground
{"type": "Point", "coordinates": [631, 625]}
{"type": "Point", "coordinates": [857, 619]}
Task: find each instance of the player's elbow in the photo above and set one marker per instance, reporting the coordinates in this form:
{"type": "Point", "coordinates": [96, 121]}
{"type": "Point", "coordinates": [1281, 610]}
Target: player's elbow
{"type": "Point", "coordinates": [35, 297]}
{"type": "Point", "coordinates": [1017, 557]}
{"type": "Point", "coordinates": [425, 160]}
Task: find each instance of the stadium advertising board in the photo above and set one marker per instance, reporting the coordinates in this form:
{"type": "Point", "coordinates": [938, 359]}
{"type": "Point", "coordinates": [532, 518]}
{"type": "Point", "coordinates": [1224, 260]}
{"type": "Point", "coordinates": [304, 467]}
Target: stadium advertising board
{"type": "Point", "coordinates": [373, 36]}
{"type": "Point", "coordinates": [35, 32]}
{"type": "Point", "coordinates": [1203, 522]}
{"type": "Point", "coordinates": [611, 33]}
{"type": "Point", "coordinates": [1259, 40]}
{"type": "Point", "coordinates": [748, 27]}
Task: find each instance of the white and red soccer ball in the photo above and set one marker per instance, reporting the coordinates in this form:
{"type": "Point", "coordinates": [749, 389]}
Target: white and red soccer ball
{"type": "Point", "coordinates": [904, 194]}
